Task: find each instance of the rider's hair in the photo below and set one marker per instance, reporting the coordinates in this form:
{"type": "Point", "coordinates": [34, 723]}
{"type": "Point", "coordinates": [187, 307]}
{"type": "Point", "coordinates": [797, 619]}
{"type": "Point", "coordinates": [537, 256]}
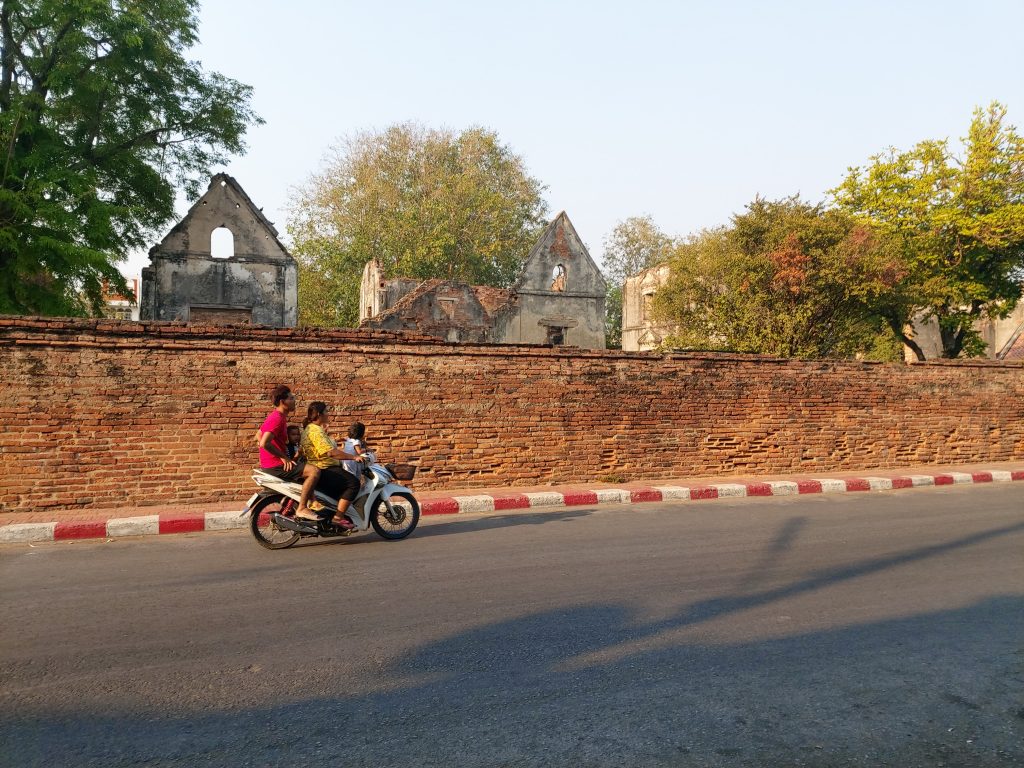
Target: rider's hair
{"type": "Point", "coordinates": [279, 393]}
{"type": "Point", "coordinates": [316, 409]}
{"type": "Point", "coordinates": [357, 430]}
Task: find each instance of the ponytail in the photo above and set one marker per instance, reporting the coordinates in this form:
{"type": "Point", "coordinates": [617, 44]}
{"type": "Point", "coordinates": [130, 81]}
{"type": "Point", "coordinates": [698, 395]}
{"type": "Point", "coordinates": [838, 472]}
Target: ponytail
{"type": "Point", "coordinates": [316, 409]}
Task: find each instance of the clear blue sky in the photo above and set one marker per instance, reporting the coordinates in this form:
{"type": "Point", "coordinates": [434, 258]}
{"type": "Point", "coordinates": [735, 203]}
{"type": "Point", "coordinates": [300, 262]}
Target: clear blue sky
{"type": "Point", "coordinates": [681, 110]}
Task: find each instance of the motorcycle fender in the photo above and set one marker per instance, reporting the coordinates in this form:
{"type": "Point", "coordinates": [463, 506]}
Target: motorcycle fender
{"type": "Point", "coordinates": [388, 490]}
{"type": "Point", "coordinates": [253, 499]}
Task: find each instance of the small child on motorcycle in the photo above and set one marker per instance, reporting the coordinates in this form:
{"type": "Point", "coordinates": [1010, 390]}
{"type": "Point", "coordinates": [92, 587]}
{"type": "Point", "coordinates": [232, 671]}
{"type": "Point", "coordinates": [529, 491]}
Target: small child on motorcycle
{"type": "Point", "coordinates": [356, 445]}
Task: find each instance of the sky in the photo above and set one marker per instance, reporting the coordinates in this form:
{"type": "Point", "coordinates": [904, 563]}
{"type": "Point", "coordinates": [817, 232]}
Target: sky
{"type": "Point", "coordinates": [684, 111]}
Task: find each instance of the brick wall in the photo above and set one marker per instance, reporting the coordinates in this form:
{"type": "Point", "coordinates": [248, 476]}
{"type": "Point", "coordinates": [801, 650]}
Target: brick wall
{"type": "Point", "coordinates": [99, 413]}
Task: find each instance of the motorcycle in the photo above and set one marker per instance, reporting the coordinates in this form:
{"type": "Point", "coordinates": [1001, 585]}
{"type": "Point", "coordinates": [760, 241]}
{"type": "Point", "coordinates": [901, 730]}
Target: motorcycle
{"type": "Point", "coordinates": [389, 508]}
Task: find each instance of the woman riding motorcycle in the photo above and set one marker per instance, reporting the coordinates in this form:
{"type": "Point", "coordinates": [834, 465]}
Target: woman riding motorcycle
{"type": "Point", "coordinates": [321, 450]}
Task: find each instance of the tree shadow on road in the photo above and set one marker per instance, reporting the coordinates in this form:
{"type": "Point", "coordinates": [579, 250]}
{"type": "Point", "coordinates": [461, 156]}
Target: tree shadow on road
{"type": "Point", "coordinates": [544, 689]}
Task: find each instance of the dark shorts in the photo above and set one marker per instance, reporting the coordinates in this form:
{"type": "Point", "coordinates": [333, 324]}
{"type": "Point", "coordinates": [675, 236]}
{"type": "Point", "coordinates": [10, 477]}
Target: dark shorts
{"type": "Point", "coordinates": [294, 475]}
{"type": "Point", "coordinates": [338, 483]}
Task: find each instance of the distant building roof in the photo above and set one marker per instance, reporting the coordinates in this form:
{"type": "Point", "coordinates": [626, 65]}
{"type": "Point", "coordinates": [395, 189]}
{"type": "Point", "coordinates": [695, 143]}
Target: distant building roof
{"type": "Point", "coordinates": [1014, 349]}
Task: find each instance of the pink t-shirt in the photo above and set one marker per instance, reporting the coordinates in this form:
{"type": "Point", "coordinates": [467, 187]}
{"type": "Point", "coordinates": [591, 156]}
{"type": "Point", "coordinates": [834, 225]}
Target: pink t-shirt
{"type": "Point", "coordinates": [277, 425]}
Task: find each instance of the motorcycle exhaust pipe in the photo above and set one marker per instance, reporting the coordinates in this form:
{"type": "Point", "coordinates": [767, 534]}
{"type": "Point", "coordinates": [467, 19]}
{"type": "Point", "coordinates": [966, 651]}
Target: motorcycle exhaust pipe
{"type": "Point", "coordinates": [299, 526]}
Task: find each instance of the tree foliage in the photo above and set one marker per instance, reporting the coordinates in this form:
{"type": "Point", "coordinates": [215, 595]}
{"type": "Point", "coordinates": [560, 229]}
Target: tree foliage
{"type": "Point", "coordinates": [425, 203]}
{"type": "Point", "coordinates": [787, 278]}
{"type": "Point", "coordinates": [632, 246]}
{"type": "Point", "coordinates": [957, 223]}
{"type": "Point", "coordinates": [101, 115]}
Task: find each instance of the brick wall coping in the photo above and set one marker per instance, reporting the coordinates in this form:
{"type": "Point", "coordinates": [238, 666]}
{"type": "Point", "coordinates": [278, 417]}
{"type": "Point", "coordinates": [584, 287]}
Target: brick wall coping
{"type": "Point", "coordinates": [17, 330]}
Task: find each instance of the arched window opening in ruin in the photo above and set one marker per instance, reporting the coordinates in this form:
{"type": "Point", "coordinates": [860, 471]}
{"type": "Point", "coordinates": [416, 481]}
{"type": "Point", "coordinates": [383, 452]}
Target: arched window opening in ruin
{"type": "Point", "coordinates": [222, 243]}
{"type": "Point", "coordinates": [558, 275]}
{"type": "Point", "coordinates": [556, 335]}
{"type": "Point", "coordinates": [647, 306]}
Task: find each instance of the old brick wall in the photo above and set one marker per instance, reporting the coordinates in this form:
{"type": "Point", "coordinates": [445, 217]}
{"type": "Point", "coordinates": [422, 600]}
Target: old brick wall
{"type": "Point", "coordinates": [98, 413]}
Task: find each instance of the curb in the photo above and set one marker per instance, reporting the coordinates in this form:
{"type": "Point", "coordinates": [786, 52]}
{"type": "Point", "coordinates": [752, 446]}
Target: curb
{"type": "Point", "coordinates": [147, 525]}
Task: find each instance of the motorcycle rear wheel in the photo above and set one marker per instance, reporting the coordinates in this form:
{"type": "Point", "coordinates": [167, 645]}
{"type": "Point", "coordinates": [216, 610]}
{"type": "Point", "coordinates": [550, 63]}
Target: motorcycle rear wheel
{"type": "Point", "coordinates": [266, 532]}
{"type": "Point", "coordinates": [402, 522]}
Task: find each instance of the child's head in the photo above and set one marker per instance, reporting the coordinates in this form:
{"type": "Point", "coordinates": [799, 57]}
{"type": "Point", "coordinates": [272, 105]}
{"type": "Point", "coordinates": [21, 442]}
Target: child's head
{"type": "Point", "coordinates": [357, 431]}
{"type": "Point", "coordinates": [294, 434]}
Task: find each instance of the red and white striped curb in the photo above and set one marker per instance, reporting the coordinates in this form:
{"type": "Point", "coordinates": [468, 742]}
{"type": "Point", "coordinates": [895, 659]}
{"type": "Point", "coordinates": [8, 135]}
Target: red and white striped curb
{"type": "Point", "coordinates": [452, 505]}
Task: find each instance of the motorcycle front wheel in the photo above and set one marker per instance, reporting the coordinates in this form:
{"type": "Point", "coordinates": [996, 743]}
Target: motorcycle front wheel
{"type": "Point", "coordinates": [266, 532]}
{"type": "Point", "coordinates": [399, 521]}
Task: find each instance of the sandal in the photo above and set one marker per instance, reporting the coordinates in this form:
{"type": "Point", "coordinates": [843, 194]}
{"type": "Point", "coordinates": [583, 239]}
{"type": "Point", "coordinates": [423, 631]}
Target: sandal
{"type": "Point", "coordinates": [306, 514]}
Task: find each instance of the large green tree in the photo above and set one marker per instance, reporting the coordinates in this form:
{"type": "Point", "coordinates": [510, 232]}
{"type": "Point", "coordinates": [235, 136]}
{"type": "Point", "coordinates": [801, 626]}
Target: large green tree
{"type": "Point", "coordinates": [425, 203]}
{"type": "Point", "coordinates": [633, 245]}
{"type": "Point", "coordinates": [958, 222]}
{"type": "Point", "coordinates": [786, 278]}
{"type": "Point", "coordinates": [102, 116]}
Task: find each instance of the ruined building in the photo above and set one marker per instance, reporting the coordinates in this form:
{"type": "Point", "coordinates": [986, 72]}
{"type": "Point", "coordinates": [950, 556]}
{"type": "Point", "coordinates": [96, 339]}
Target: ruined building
{"type": "Point", "coordinates": [222, 263]}
{"type": "Point", "coordinates": [1004, 338]}
{"type": "Point", "coordinates": [640, 332]}
{"type": "Point", "coordinates": [558, 299]}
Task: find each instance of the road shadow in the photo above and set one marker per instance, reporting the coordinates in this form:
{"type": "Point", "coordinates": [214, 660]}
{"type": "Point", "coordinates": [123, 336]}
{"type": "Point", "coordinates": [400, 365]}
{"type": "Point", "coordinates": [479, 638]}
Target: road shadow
{"type": "Point", "coordinates": [549, 689]}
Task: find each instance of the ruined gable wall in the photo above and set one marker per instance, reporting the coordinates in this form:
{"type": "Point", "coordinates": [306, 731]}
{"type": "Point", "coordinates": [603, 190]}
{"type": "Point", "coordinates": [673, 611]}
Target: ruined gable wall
{"type": "Point", "coordinates": [99, 413]}
{"type": "Point", "coordinates": [260, 280]}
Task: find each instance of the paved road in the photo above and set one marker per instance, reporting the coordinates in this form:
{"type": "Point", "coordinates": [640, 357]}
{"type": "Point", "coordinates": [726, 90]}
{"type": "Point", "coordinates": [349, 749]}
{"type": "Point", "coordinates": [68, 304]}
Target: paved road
{"type": "Point", "coordinates": [841, 631]}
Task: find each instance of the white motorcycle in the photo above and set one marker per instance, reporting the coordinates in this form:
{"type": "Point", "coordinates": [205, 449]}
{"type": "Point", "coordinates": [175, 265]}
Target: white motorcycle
{"type": "Point", "coordinates": [390, 508]}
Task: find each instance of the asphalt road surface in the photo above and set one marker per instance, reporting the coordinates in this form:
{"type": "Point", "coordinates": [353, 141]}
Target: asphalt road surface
{"type": "Point", "coordinates": [854, 630]}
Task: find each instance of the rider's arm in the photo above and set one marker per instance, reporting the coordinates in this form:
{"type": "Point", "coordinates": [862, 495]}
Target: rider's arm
{"type": "Point", "coordinates": [267, 445]}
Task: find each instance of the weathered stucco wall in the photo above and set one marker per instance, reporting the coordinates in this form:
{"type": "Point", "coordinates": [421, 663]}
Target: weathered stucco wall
{"type": "Point", "coordinates": [995, 333]}
{"type": "Point", "coordinates": [259, 282]}
{"type": "Point", "coordinates": [574, 301]}
{"type": "Point", "coordinates": [105, 412]}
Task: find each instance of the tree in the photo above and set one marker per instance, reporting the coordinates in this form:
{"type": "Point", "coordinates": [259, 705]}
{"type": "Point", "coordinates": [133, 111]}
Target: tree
{"type": "Point", "coordinates": [632, 246]}
{"type": "Point", "coordinates": [424, 203]}
{"type": "Point", "coordinates": [787, 278]}
{"type": "Point", "coordinates": [101, 115]}
{"type": "Point", "coordinates": [958, 223]}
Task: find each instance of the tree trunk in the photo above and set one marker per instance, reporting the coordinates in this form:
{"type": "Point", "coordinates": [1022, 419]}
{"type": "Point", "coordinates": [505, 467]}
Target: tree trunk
{"type": "Point", "coordinates": [897, 325]}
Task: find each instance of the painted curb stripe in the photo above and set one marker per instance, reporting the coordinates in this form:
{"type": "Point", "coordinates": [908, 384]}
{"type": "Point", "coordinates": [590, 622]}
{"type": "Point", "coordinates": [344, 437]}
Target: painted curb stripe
{"type": "Point", "coordinates": [221, 521]}
{"type": "Point", "coordinates": [439, 507]}
{"type": "Point", "coordinates": [703, 492]}
{"type": "Point", "coordinates": [96, 529]}
{"type": "Point", "coordinates": [674, 493]}
{"type": "Point", "coordinates": [575, 498]}
{"type": "Point", "coordinates": [144, 525]}
{"type": "Point", "coordinates": [808, 486]}
{"type": "Point", "coordinates": [511, 501]}
{"type": "Point", "coordinates": [545, 499]}
{"type": "Point", "coordinates": [732, 490]}
{"type": "Point", "coordinates": [18, 533]}
{"type": "Point", "coordinates": [644, 494]}
{"type": "Point", "coordinates": [468, 504]}
{"type": "Point", "coordinates": [182, 523]}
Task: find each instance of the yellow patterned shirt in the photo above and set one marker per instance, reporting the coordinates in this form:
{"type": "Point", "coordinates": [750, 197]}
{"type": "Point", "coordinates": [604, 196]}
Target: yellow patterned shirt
{"type": "Point", "coordinates": [316, 447]}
